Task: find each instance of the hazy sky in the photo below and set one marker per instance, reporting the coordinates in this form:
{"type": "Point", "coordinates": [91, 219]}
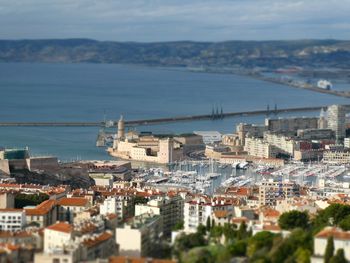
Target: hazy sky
{"type": "Point", "coordinates": [164, 20]}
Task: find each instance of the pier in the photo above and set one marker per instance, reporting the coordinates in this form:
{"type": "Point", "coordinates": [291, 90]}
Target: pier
{"type": "Point", "coordinates": [164, 120]}
{"type": "Point", "coordinates": [305, 86]}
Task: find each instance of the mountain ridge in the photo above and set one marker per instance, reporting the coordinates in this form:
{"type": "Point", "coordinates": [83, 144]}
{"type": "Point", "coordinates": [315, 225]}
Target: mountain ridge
{"type": "Point", "coordinates": [232, 53]}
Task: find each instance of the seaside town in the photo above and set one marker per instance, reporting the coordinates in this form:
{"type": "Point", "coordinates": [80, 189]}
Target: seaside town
{"type": "Point", "coordinates": [263, 193]}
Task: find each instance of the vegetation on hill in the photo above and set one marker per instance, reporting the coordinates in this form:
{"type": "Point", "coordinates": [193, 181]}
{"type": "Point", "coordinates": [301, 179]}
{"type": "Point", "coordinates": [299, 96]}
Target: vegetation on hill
{"type": "Point", "coordinates": [22, 200]}
{"type": "Point", "coordinates": [248, 54]}
{"type": "Point", "coordinates": [217, 243]}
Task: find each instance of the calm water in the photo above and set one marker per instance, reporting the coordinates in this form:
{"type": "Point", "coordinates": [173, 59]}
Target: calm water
{"type": "Point", "coordinates": [84, 92]}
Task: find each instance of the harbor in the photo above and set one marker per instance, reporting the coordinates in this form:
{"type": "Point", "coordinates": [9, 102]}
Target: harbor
{"type": "Point", "coordinates": [209, 177]}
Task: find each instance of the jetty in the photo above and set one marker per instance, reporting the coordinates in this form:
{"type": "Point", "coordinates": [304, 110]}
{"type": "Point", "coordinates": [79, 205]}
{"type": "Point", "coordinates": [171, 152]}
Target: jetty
{"type": "Point", "coordinates": [129, 123]}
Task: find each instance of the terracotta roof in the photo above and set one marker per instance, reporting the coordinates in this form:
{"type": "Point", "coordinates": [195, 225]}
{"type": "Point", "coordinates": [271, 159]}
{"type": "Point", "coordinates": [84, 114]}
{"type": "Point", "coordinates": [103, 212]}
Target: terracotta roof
{"type": "Point", "coordinates": [41, 209]}
{"type": "Point", "coordinates": [221, 213]}
{"type": "Point", "coordinates": [335, 232]}
{"type": "Point", "coordinates": [240, 220]}
{"type": "Point", "coordinates": [11, 247]}
{"type": "Point", "coordinates": [271, 228]}
{"type": "Point", "coordinates": [73, 201]}
{"type": "Point", "coordinates": [15, 234]}
{"type": "Point", "coordinates": [61, 227]}
{"type": "Point", "coordinates": [94, 241]}
{"type": "Point", "coordinates": [271, 213]}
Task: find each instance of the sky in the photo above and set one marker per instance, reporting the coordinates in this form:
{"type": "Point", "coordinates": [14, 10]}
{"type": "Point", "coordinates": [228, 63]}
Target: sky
{"type": "Point", "coordinates": [172, 20]}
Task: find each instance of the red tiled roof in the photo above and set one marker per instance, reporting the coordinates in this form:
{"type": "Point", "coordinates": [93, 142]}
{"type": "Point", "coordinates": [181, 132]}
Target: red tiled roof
{"type": "Point", "coordinates": [221, 213]}
{"type": "Point", "coordinates": [91, 242]}
{"type": "Point", "coordinates": [271, 228]}
{"type": "Point", "coordinates": [61, 227]}
{"type": "Point", "coordinates": [41, 209]}
{"type": "Point", "coordinates": [335, 232]}
{"type": "Point", "coordinates": [240, 220]}
{"type": "Point", "coordinates": [73, 201]}
{"type": "Point", "coordinates": [271, 213]}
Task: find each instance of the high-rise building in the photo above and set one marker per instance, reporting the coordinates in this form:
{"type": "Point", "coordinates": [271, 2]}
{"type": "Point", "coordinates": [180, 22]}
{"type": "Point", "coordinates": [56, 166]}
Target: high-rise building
{"type": "Point", "coordinates": [336, 121]}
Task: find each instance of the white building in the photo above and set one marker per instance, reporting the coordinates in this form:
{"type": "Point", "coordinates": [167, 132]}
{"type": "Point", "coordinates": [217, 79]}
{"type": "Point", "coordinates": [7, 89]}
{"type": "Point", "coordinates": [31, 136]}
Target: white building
{"type": "Point", "coordinates": [139, 236]}
{"type": "Point", "coordinates": [347, 142]}
{"type": "Point", "coordinates": [270, 191]}
{"type": "Point", "coordinates": [120, 205]}
{"type": "Point", "coordinates": [196, 212]}
{"type": "Point", "coordinates": [110, 206]}
{"type": "Point", "coordinates": [57, 236]}
{"type": "Point", "coordinates": [12, 219]}
{"type": "Point", "coordinates": [336, 120]}
{"type": "Point", "coordinates": [341, 240]}
{"type": "Point", "coordinates": [259, 148]}
{"type": "Point", "coordinates": [209, 137]}
{"type": "Point", "coordinates": [283, 144]}
{"type": "Point", "coordinates": [170, 208]}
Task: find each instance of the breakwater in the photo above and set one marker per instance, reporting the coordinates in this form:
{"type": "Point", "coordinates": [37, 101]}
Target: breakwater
{"type": "Point", "coordinates": [163, 120]}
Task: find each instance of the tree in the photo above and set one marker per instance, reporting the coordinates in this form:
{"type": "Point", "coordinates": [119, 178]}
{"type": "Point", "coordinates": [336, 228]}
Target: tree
{"type": "Point", "coordinates": [208, 223]}
{"type": "Point", "coordinates": [242, 231]}
{"type": "Point", "coordinates": [260, 240]}
{"type": "Point", "coordinates": [332, 215]}
{"type": "Point", "coordinates": [216, 232]}
{"type": "Point", "coordinates": [185, 242]}
{"type": "Point", "coordinates": [302, 255]}
{"type": "Point", "coordinates": [329, 250]}
{"type": "Point", "coordinates": [238, 249]}
{"type": "Point", "coordinates": [345, 223]}
{"type": "Point", "coordinates": [293, 219]}
{"type": "Point", "coordinates": [229, 231]}
{"type": "Point", "coordinates": [140, 200]}
{"type": "Point", "coordinates": [178, 226]}
{"type": "Point", "coordinates": [198, 255]}
{"type": "Point", "coordinates": [339, 257]}
{"type": "Point", "coordinates": [22, 200]}
{"type": "Point", "coordinates": [202, 230]}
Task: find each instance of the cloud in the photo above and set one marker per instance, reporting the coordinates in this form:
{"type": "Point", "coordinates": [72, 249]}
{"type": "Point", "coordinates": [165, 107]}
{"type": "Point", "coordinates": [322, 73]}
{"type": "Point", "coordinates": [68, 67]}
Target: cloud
{"type": "Point", "coordinates": [162, 20]}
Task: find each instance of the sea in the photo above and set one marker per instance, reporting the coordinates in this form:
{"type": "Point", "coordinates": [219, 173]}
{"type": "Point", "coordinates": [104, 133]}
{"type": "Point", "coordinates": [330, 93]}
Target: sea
{"type": "Point", "coordinates": [94, 92]}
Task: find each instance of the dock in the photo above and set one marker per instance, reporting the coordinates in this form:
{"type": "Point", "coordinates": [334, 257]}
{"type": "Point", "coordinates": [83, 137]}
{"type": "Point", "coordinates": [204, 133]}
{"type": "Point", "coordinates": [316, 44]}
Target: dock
{"type": "Point", "coordinates": [305, 86]}
{"type": "Point", "coordinates": [165, 120]}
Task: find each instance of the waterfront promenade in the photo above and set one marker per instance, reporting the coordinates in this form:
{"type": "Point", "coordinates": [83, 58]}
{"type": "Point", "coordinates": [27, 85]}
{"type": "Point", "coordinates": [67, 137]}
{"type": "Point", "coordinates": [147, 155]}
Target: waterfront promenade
{"type": "Point", "coordinates": [266, 112]}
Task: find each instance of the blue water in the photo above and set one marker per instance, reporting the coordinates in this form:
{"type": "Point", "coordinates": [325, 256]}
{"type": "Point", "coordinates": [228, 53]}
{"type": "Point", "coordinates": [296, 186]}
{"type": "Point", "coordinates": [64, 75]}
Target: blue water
{"type": "Point", "coordinates": [84, 92]}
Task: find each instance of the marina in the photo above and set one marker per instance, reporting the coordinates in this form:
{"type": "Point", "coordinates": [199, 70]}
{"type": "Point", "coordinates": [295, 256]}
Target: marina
{"type": "Point", "coordinates": [208, 177]}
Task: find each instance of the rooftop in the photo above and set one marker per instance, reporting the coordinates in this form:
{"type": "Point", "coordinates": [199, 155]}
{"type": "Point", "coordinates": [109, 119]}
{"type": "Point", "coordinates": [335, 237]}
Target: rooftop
{"type": "Point", "coordinates": [61, 227]}
{"type": "Point", "coordinates": [73, 201]}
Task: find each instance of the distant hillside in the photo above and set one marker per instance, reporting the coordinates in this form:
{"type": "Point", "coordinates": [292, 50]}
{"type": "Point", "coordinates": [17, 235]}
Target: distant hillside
{"type": "Point", "coordinates": [273, 54]}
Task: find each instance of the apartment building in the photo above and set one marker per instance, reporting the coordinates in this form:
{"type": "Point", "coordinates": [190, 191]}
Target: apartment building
{"type": "Point", "coordinates": [283, 144]}
{"type": "Point", "coordinates": [42, 215]}
{"type": "Point", "coordinates": [291, 124]}
{"type": "Point", "coordinates": [169, 208]}
{"type": "Point", "coordinates": [12, 219]}
{"type": "Point", "coordinates": [197, 211]}
{"type": "Point", "coordinates": [139, 236]}
{"type": "Point", "coordinates": [260, 148]}
{"type": "Point", "coordinates": [336, 157]}
{"type": "Point", "coordinates": [270, 191]}
{"type": "Point", "coordinates": [122, 205]}
{"type": "Point", "coordinates": [70, 206]}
